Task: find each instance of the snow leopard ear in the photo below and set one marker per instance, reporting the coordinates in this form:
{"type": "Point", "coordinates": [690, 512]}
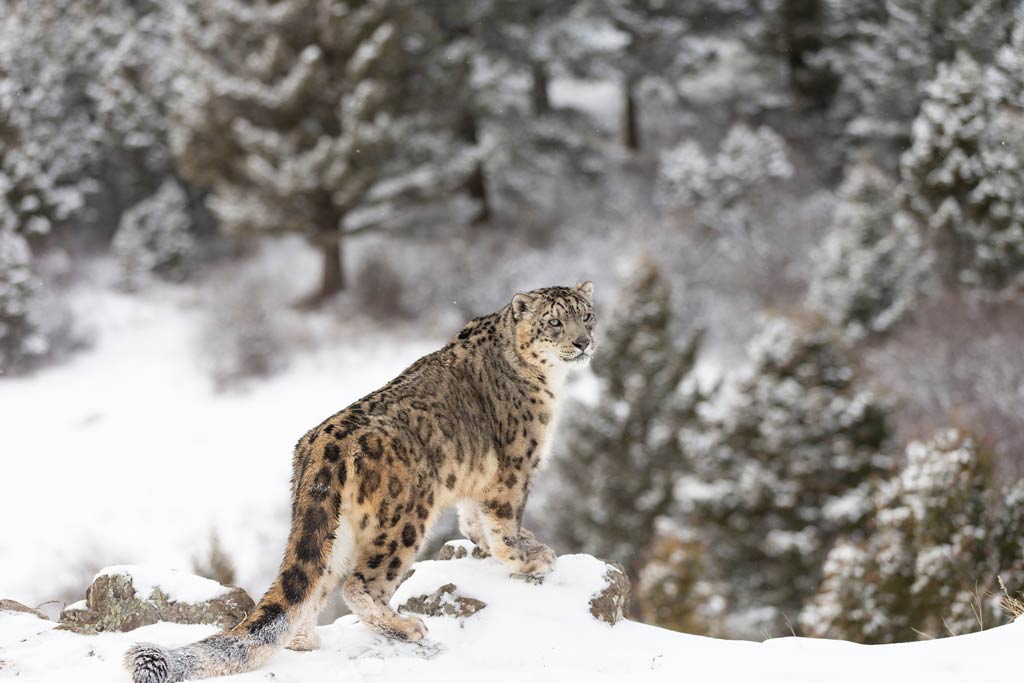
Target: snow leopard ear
{"type": "Point", "coordinates": [522, 306]}
{"type": "Point", "coordinates": [586, 289]}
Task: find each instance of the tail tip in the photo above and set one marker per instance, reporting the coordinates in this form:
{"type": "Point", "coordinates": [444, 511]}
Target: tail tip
{"type": "Point", "coordinates": [148, 663]}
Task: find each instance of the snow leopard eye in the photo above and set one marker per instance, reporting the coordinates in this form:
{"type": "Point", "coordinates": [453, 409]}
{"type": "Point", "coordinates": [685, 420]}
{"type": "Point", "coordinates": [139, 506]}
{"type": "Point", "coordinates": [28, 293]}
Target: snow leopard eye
{"type": "Point", "coordinates": [587, 317]}
{"type": "Point", "coordinates": [555, 322]}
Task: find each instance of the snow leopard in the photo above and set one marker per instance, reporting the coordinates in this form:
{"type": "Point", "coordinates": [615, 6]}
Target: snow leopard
{"type": "Point", "coordinates": [466, 426]}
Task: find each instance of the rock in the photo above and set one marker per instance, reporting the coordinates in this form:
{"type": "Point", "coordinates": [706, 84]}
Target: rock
{"type": "Point", "coordinates": [456, 550]}
{"type": "Point", "coordinates": [611, 603]}
{"type": "Point", "coordinates": [443, 602]}
{"type": "Point", "coordinates": [608, 604]}
{"type": "Point", "coordinates": [15, 606]}
{"type": "Point", "coordinates": [127, 597]}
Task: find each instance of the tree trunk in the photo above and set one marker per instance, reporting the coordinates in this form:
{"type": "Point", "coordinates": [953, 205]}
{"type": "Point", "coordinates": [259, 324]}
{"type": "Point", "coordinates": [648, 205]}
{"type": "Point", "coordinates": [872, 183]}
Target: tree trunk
{"type": "Point", "coordinates": [802, 31]}
{"type": "Point", "coordinates": [332, 273]}
{"type": "Point", "coordinates": [476, 182]}
{"type": "Point", "coordinates": [630, 123]}
{"type": "Point", "coordinates": [539, 92]}
{"type": "Point", "coordinates": [333, 276]}
{"type": "Point", "coordinates": [476, 186]}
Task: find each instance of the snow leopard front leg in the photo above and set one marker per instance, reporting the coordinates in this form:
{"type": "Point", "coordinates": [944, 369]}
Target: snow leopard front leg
{"type": "Point", "coordinates": [471, 524]}
{"type": "Point", "coordinates": [500, 518]}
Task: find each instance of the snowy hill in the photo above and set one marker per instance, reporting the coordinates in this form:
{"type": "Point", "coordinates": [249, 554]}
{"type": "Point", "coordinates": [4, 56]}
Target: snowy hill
{"type": "Point", "coordinates": [526, 631]}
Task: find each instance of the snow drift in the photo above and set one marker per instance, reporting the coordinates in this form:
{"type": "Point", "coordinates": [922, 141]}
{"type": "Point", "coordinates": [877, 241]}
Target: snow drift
{"type": "Point", "coordinates": [526, 629]}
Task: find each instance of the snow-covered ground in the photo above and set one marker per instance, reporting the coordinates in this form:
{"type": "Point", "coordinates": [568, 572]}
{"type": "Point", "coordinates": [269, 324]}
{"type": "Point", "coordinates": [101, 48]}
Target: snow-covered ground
{"type": "Point", "coordinates": [126, 453]}
{"type": "Point", "coordinates": [526, 632]}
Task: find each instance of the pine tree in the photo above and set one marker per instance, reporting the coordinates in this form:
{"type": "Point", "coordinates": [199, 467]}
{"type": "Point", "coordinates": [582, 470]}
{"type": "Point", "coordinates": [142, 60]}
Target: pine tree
{"type": "Point", "coordinates": [964, 172]}
{"type": "Point", "coordinates": [929, 568]}
{"type": "Point", "coordinates": [623, 455]}
{"type": "Point", "coordinates": [871, 264]}
{"type": "Point", "coordinates": [329, 121]}
{"type": "Point", "coordinates": [788, 461]}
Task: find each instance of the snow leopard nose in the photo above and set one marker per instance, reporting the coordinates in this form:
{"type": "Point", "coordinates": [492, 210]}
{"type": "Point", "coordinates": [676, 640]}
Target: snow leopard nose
{"type": "Point", "coordinates": [581, 342]}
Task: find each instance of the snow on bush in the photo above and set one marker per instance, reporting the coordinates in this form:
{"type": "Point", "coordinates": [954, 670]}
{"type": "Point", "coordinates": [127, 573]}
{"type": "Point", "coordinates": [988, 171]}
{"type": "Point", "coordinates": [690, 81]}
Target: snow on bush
{"type": "Point", "coordinates": [21, 340]}
{"type": "Point", "coordinates": [724, 189]}
{"type": "Point", "coordinates": [49, 139]}
{"type": "Point", "coordinates": [82, 95]}
{"type": "Point", "coordinates": [379, 288]}
{"type": "Point", "coordinates": [154, 237]}
{"type": "Point", "coordinates": [245, 334]}
{"type": "Point", "coordinates": [942, 534]}
{"type": "Point", "coordinates": [871, 264]}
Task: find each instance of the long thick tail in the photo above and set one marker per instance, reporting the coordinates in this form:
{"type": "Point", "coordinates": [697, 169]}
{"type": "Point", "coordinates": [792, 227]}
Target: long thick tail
{"type": "Point", "coordinates": [240, 649]}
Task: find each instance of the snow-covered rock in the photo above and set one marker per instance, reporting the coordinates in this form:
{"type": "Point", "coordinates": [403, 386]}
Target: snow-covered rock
{"type": "Point", "coordinates": [125, 597]}
{"type": "Point", "coordinates": [611, 603]}
{"type": "Point", "coordinates": [528, 630]}
{"type": "Point", "coordinates": [444, 602]}
{"type": "Point", "coordinates": [607, 584]}
{"type": "Point", "coordinates": [15, 606]}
